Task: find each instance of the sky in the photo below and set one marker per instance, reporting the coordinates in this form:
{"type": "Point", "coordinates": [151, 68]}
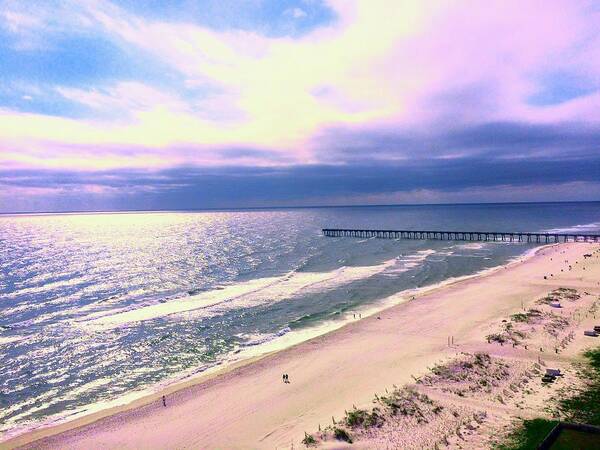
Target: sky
{"type": "Point", "coordinates": [147, 104]}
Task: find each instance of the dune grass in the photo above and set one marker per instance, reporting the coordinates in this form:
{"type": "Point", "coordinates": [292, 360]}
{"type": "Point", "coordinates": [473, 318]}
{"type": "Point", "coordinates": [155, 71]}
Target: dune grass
{"type": "Point", "coordinates": [528, 435]}
{"type": "Point", "coordinates": [581, 407]}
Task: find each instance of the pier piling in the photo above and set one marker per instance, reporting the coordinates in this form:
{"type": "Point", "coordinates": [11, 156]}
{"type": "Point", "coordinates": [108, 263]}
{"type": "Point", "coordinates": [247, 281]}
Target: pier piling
{"type": "Point", "coordinates": [484, 236]}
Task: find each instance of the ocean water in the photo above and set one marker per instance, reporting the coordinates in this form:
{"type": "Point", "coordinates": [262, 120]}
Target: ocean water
{"type": "Point", "coordinates": [96, 309]}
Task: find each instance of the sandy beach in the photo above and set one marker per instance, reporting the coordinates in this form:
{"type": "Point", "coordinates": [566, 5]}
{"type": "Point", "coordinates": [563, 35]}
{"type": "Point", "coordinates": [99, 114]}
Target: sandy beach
{"type": "Point", "coordinates": [250, 407]}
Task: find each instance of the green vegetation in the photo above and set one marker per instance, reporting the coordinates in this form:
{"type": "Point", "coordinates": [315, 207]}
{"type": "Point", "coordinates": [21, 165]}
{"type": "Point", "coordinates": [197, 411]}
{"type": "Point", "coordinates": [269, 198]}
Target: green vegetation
{"type": "Point", "coordinates": [528, 435]}
{"type": "Point", "coordinates": [496, 337]}
{"type": "Point", "coordinates": [527, 317]}
{"type": "Point", "coordinates": [407, 402]}
{"type": "Point", "coordinates": [309, 440]}
{"type": "Point", "coordinates": [519, 317]}
{"type": "Point", "coordinates": [356, 417]}
{"type": "Point", "coordinates": [361, 417]}
{"type": "Point", "coordinates": [581, 407]}
{"type": "Point", "coordinates": [509, 334]}
{"type": "Point", "coordinates": [342, 435]}
{"type": "Point", "coordinates": [397, 402]}
{"type": "Point", "coordinates": [560, 294]}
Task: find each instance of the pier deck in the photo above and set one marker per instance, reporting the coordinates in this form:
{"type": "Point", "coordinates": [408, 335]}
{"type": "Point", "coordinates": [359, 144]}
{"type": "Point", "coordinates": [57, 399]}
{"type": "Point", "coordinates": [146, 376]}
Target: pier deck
{"type": "Point", "coordinates": [483, 236]}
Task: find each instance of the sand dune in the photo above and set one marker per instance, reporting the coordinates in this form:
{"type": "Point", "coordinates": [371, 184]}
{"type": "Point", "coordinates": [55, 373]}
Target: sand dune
{"type": "Point", "coordinates": [250, 407]}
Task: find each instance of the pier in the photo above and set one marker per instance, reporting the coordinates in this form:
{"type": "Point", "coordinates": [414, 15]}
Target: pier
{"type": "Point", "coordinates": [482, 236]}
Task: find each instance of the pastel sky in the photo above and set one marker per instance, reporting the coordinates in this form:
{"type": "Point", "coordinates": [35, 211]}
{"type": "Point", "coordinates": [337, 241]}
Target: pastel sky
{"type": "Point", "coordinates": [148, 104]}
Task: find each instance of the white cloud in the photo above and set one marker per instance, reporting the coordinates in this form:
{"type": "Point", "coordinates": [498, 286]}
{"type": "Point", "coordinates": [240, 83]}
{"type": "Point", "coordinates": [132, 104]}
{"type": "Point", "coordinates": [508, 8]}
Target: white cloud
{"type": "Point", "coordinates": [296, 13]}
{"type": "Point", "coordinates": [398, 63]}
{"type": "Point", "coordinates": [128, 96]}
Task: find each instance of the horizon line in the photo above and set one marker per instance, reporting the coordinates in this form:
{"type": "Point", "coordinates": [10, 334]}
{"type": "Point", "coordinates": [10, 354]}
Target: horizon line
{"type": "Point", "coordinates": [259, 208]}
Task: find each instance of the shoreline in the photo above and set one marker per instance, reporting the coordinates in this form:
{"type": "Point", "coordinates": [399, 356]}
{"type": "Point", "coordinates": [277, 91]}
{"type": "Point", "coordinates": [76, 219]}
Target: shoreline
{"type": "Point", "coordinates": [474, 396]}
{"type": "Point", "coordinates": [221, 374]}
{"type": "Point", "coordinates": [246, 356]}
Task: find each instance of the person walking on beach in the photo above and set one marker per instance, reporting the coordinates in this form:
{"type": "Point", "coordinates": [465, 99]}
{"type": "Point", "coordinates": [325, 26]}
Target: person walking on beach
{"type": "Point", "coordinates": [164, 401]}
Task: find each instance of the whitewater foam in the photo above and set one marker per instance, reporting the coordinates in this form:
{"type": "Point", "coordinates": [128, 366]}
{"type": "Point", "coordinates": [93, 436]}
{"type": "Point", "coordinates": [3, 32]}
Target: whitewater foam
{"type": "Point", "coordinates": [582, 228]}
{"type": "Point", "coordinates": [259, 345]}
{"type": "Point", "coordinates": [241, 295]}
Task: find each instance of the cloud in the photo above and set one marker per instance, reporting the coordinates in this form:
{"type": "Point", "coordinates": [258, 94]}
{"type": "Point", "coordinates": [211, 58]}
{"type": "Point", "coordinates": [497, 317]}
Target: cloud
{"type": "Point", "coordinates": [125, 97]}
{"type": "Point", "coordinates": [401, 84]}
{"type": "Point", "coordinates": [296, 13]}
{"type": "Point", "coordinates": [492, 140]}
{"type": "Point", "coordinates": [468, 179]}
{"type": "Point", "coordinates": [17, 22]}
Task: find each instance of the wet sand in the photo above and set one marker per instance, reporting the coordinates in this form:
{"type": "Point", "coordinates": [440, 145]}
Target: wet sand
{"type": "Point", "coordinates": [250, 407]}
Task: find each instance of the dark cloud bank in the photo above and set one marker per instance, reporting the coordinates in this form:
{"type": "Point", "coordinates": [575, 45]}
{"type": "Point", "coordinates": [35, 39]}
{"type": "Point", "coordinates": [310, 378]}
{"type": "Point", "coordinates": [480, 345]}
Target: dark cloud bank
{"type": "Point", "coordinates": [369, 163]}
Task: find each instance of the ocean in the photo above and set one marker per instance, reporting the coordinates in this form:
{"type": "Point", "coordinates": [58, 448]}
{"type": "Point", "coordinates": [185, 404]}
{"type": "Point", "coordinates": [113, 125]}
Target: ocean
{"type": "Point", "coordinates": [97, 309]}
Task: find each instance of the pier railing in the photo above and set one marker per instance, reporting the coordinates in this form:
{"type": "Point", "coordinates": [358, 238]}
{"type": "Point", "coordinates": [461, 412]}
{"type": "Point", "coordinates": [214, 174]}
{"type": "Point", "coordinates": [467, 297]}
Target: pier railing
{"type": "Point", "coordinates": [484, 236]}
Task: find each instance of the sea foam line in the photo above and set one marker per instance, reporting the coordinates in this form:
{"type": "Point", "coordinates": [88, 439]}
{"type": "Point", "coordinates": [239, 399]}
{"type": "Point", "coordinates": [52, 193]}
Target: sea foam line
{"type": "Point", "coordinates": [241, 295]}
{"type": "Point", "coordinates": [586, 227]}
{"type": "Point", "coordinates": [282, 340]}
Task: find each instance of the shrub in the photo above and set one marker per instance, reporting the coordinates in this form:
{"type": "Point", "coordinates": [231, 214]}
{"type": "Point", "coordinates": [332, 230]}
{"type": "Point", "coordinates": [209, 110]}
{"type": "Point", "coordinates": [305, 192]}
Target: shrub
{"type": "Point", "coordinates": [356, 417]}
{"type": "Point", "coordinates": [496, 338]}
{"type": "Point", "coordinates": [583, 405]}
{"type": "Point", "coordinates": [519, 317]}
{"type": "Point", "coordinates": [528, 435]}
{"type": "Point", "coordinates": [482, 359]}
{"type": "Point", "coordinates": [342, 435]}
{"type": "Point", "coordinates": [309, 440]}
{"type": "Point", "coordinates": [375, 419]}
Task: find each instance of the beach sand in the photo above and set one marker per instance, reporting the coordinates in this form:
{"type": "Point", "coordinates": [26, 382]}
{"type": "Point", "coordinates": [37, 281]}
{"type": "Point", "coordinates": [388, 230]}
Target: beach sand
{"type": "Point", "coordinates": [250, 407]}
